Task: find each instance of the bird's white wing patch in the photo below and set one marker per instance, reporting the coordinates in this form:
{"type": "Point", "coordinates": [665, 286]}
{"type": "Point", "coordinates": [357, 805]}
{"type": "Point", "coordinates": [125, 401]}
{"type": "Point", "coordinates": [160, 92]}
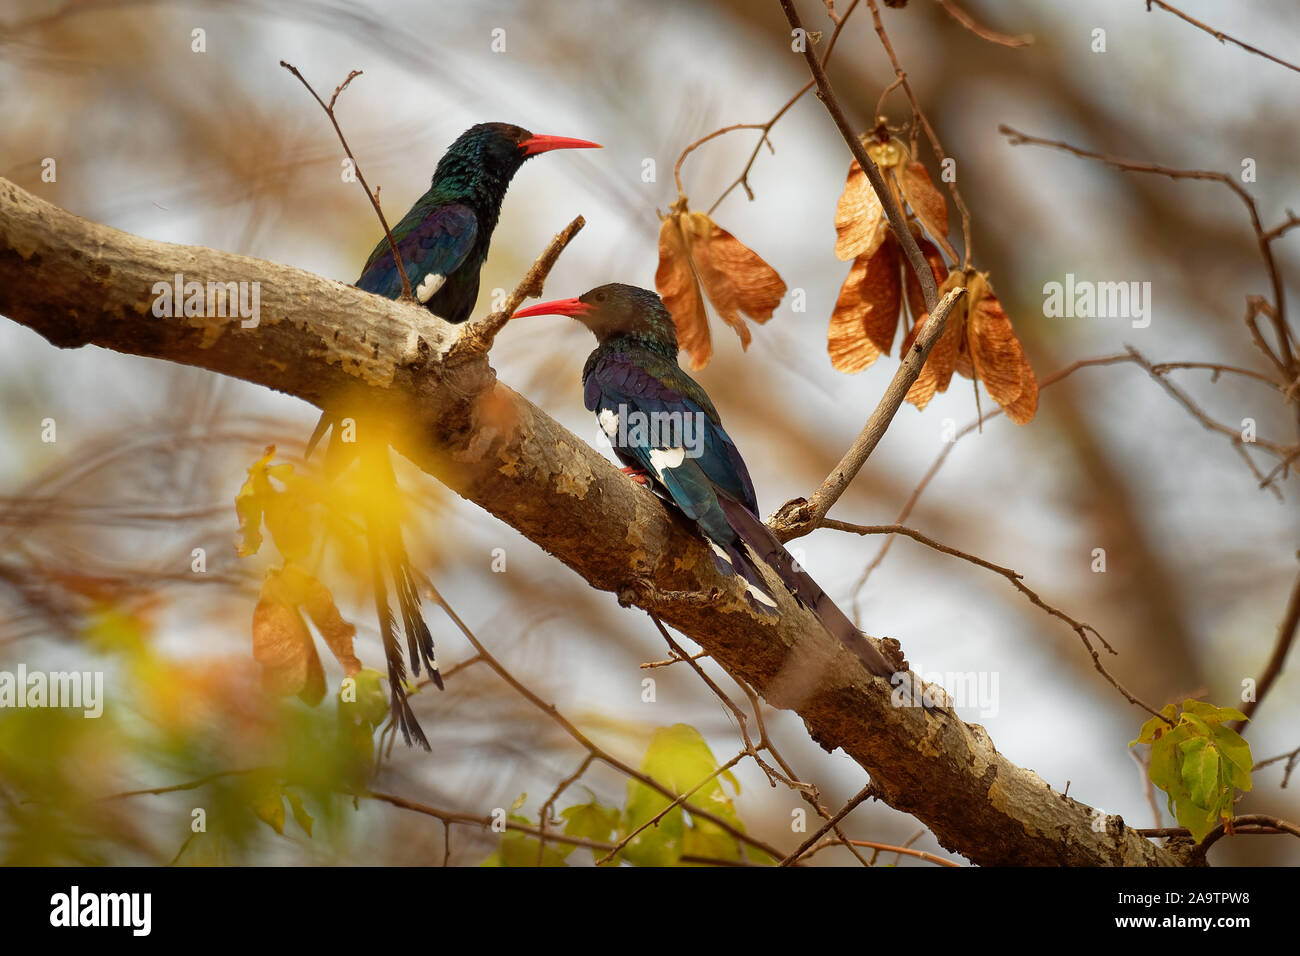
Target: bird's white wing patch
{"type": "Point", "coordinates": [608, 421]}
{"type": "Point", "coordinates": [663, 458]}
{"type": "Point", "coordinates": [431, 284]}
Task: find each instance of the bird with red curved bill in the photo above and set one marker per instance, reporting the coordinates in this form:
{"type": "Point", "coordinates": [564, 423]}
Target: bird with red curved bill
{"type": "Point", "coordinates": [665, 429]}
{"type": "Point", "coordinates": [442, 242]}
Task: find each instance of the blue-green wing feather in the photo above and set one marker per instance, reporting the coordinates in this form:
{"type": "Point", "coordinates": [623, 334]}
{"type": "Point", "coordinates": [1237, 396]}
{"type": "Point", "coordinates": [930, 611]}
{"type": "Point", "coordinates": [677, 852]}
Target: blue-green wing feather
{"type": "Point", "coordinates": [431, 241]}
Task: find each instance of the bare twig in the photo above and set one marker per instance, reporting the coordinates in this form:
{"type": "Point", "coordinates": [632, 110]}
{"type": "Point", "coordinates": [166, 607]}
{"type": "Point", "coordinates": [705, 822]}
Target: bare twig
{"type": "Point", "coordinates": [373, 197]}
{"type": "Point", "coordinates": [1292, 759]}
{"type": "Point", "coordinates": [1286, 634]}
{"type": "Point", "coordinates": [897, 221]}
{"type": "Point", "coordinates": [743, 179]}
{"type": "Point", "coordinates": [1262, 237]}
{"type": "Point", "coordinates": [1015, 577]}
{"type": "Point", "coordinates": [919, 119]}
{"type": "Point", "coordinates": [582, 739]}
{"type": "Point", "coordinates": [1220, 35]}
{"type": "Point", "coordinates": [888, 848]}
{"type": "Point", "coordinates": [908, 506]}
{"type": "Point", "coordinates": [800, 516]}
{"type": "Point", "coordinates": [477, 339]}
{"type": "Point", "coordinates": [983, 32]}
{"type": "Point", "coordinates": [840, 814]}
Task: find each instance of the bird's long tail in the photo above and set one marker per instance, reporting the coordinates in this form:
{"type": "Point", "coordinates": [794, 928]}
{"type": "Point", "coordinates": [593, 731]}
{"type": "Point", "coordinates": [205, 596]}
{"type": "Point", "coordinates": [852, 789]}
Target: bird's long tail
{"type": "Point", "coordinates": [384, 540]}
{"type": "Point", "coordinates": [398, 701]}
{"type": "Point", "coordinates": [767, 549]}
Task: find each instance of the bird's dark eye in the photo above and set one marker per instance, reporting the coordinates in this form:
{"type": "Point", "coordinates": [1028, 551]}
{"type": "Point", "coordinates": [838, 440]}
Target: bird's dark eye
{"type": "Point", "coordinates": [600, 297]}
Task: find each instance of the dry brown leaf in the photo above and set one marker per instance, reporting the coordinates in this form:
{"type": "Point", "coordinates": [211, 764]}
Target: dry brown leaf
{"type": "Point", "coordinates": [865, 319]}
{"type": "Point", "coordinates": [677, 286]}
{"type": "Point", "coordinates": [847, 342]}
{"type": "Point", "coordinates": [924, 198]}
{"type": "Point", "coordinates": [318, 602]}
{"type": "Point", "coordinates": [858, 217]}
{"type": "Point", "coordinates": [1023, 409]}
{"type": "Point", "coordinates": [936, 374]}
{"type": "Point", "coordinates": [997, 355]}
{"type": "Point", "coordinates": [283, 646]}
{"type": "Point", "coordinates": [735, 278]}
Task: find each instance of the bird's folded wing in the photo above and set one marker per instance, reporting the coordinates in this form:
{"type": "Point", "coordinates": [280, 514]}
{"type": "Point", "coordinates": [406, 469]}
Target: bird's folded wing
{"type": "Point", "coordinates": [432, 244]}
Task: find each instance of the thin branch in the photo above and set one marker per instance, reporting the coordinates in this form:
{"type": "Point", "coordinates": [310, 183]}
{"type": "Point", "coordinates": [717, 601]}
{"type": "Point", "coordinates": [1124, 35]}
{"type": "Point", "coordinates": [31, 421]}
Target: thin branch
{"type": "Point", "coordinates": [919, 119]}
{"type": "Point", "coordinates": [890, 848]}
{"type": "Point", "coordinates": [743, 179]}
{"type": "Point", "coordinates": [544, 815]}
{"type": "Point", "coordinates": [654, 821]}
{"type": "Point", "coordinates": [1278, 314]}
{"type": "Point", "coordinates": [799, 517]}
{"type": "Point", "coordinates": [373, 197]}
{"type": "Point", "coordinates": [1220, 35]}
{"type": "Point", "coordinates": [1292, 759]}
{"type": "Point", "coordinates": [477, 339]}
{"type": "Point", "coordinates": [600, 753]}
{"type": "Point", "coordinates": [1286, 634]}
{"type": "Point", "coordinates": [840, 814]}
{"type": "Point", "coordinates": [983, 32]}
{"type": "Point", "coordinates": [908, 506]}
{"type": "Point", "coordinates": [1015, 578]}
{"type": "Point", "coordinates": [897, 221]}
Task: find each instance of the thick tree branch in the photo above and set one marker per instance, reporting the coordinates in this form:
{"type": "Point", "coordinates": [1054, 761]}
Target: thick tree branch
{"type": "Point", "coordinates": [78, 283]}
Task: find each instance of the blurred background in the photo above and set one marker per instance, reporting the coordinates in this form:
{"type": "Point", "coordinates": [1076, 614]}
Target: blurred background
{"type": "Point", "coordinates": [225, 149]}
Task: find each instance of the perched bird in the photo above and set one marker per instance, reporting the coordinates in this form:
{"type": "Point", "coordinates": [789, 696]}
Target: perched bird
{"type": "Point", "coordinates": [663, 426]}
{"type": "Point", "coordinates": [443, 242]}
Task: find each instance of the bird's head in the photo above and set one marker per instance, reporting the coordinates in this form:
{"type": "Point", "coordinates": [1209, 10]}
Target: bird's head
{"type": "Point", "coordinates": [499, 149]}
{"type": "Point", "coordinates": [615, 310]}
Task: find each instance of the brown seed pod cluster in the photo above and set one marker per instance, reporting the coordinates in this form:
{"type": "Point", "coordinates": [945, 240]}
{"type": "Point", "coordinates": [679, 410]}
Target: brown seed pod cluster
{"type": "Point", "coordinates": [978, 341]}
{"type": "Point", "coordinates": [698, 259]}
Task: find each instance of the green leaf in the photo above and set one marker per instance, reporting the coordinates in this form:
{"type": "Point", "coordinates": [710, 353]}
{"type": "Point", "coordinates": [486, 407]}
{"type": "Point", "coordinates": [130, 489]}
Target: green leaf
{"type": "Point", "coordinates": [520, 849]}
{"type": "Point", "coordinates": [591, 821]}
{"type": "Point", "coordinates": [1198, 820]}
{"type": "Point", "coordinates": [1199, 763]}
{"type": "Point", "coordinates": [1155, 728]}
{"type": "Point", "coordinates": [1211, 714]}
{"type": "Point", "coordinates": [1235, 749]}
{"type": "Point", "coordinates": [267, 802]}
{"type": "Point", "coordinates": [1201, 771]}
{"type": "Point", "coordinates": [678, 758]}
{"type": "Point", "coordinates": [300, 814]}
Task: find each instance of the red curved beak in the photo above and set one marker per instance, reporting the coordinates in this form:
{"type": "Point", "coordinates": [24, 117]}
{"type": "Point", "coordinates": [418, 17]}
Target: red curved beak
{"type": "Point", "coordinates": [544, 144]}
{"type": "Point", "coordinates": [573, 308]}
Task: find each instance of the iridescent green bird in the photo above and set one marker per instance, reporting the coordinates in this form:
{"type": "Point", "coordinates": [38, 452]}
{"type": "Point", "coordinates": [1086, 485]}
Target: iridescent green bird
{"type": "Point", "coordinates": [443, 242]}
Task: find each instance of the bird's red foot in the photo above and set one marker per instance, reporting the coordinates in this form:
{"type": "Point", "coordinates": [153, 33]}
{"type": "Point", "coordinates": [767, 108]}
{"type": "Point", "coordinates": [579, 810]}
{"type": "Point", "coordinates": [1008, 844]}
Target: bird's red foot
{"type": "Point", "coordinates": [637, 475]}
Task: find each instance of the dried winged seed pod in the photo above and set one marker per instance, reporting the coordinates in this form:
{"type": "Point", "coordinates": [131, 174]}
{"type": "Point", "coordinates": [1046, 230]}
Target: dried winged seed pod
{"type": "Point", "coordinates": [858, 217]}
{"type": "Point", "coordinates": [996, 354]}
{"type": "Point", "coordinates": [865, 319]}
{"type": "Point", "coordinates": [936, 374]}
{"type": "Point", "coordinates": [676, 283]}
{"type": "Point", "coordinates": [283, 646]}
{"type": "Point", "coordinates": [696, 252]}
{"type": "Point", "coordinates": [926, 201]}
{"type": "Point", "coordinates": [859, 213]}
